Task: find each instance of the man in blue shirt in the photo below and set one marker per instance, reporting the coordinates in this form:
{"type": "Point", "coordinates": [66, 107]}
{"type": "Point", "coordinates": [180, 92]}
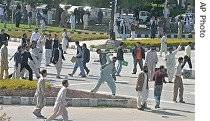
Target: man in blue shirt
{"type": "Point", "coordinates": [38, 18]}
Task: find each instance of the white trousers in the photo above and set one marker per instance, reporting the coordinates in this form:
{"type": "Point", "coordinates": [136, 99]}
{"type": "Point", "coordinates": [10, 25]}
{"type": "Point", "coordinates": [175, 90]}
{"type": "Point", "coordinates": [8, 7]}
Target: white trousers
{"type": "Point", "coordinates": [16, 74]}
{"type": "Point", "coordinates": [141, 98]}
{"type": "Point", "coordinates": [133, 35]}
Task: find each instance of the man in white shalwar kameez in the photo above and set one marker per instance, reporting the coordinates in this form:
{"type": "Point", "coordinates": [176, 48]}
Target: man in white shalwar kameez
{"type": "Point", "coordinates": [106, 75]}
{"type": "Point", "coordinates": [73, 22]}
{"type": "Point", "coordinates": [116, 31]}
{"type": "Point", "coordinates": [85, 19]}
{"type": "Point", "coordinates": [40, 44]}
{"type": "Point", "coordinates": [170, 62]}
{"type": "Point", "coordinates": [49, 16]}
{"type": "Point", "coordinates": [57, 60]}
{"type": "Point", "coordinates": [142, 89]}
{"type": "Point", "coordinates": [35, 63]}
{"type": "Point", "coordinates": [40, 94]}
{"type": "Point", "coordinates": [60, 103]}
{"type": "Point", "coordinates": [163, 47]}
{"type": "Point", "coordinates": [151, 61]}
{"type": "Point", "coordinates": [64, 41]}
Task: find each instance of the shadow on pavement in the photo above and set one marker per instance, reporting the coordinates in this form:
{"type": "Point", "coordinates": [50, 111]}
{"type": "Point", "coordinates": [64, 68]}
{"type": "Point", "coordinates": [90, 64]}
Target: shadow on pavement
{"type": "Point", "coordinates": [189, 84]}
{"type": "Point", "coordinates": [178, 110]}
{"type": "Point", "coordinates": [129, 77]}
{"type": "Point", "coordinates": [121, 82]}
{"type": "Point", "coordinates": [161, 112]}
{"type": "Point", "coordinates": [60, 120]}
{"type": "Point", "coordinates": [73, 79]}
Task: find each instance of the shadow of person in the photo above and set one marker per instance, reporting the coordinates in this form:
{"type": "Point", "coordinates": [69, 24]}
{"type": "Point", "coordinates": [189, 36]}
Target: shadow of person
{"type": "Point", "coordinates": [163, 112]}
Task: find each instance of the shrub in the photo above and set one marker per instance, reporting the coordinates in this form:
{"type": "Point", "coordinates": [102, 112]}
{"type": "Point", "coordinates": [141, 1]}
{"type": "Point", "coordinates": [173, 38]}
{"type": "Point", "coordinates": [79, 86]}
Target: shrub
{"type": "Point", "coordinates": [75, 37]}
{"type": "Point", "coordinates": [15, 84]}
{"type": "Point", "coordinates": [156, 42]}
{"type": "Point", "coordinates": [129, 44]}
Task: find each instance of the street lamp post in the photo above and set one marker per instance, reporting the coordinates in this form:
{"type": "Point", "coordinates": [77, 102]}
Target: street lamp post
{"type": "Point", "coordinates": [13, 1]}
{"type": "Point", "coordinates": [112, 33]}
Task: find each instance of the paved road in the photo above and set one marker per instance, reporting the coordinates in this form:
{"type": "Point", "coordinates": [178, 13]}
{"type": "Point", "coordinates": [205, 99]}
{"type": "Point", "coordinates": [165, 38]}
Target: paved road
{"type": "Point", "coordinates": [24, 113]}
{"type": "Point", "coordinates": [125, 84]}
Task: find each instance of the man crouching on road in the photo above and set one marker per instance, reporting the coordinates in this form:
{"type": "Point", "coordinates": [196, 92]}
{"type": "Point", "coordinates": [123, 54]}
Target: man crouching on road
{"type": "Point", "coordinates": [142, 88]}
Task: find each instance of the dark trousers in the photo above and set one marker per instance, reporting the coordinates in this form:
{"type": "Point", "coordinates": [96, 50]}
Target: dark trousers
{"type": "Point", "coordinates": [140, 62]}
{"type": "Point", "coordinates": [85, 67]}
{"type": "Point", "coordinates": [27, 67]}
{"type": "Point", "coordinates": [188, 60]}
{"type": "Point", "coordinates": [17, 24]}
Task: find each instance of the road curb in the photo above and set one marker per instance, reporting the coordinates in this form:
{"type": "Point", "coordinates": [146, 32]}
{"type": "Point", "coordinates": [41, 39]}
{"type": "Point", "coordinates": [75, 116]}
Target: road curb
{"type": "Point", "coordinates": [74, 102]}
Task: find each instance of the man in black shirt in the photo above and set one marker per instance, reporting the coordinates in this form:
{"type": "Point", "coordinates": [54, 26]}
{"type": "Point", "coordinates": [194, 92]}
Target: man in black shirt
{"type": "Point", "coordinates": [24, 62]}
{"type": "Point", "coordinates": [3, 37]}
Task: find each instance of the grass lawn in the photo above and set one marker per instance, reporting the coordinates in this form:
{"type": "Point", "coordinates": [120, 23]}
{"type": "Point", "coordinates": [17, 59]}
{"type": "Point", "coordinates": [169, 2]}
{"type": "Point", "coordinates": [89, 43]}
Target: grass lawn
{"type": "Point", "coordinates": [55, 28]}
{"type": "Point", "coordinates": [26, 28]}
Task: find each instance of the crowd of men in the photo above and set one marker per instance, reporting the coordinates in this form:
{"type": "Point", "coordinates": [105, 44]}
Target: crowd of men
{"type": "Point", "coordinates": [29, 55]}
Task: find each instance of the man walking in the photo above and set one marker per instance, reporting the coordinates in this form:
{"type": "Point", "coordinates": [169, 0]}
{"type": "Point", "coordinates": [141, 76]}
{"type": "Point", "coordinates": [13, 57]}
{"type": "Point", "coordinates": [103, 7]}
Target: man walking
{"type": "Point", "coordinates": [73, 21]}
{"type": "Point", "coordinates": [38, 18]}
{"type": "Point", "coordinates": [123, 29]}
{"type": "Point", "coordinates": [64, 41]}
{"type": "Point", "coordinates": [29, 18]}
{"type": "Point", "coordinates": [170, 62]}
{"type": "Point", "coordinates": [48, 50]}
{"type": "Point", "coordinates": [49, 16]}
{"type": "Point", "coordinates": [151, 61]}
{"type": "Point", "coordinates": [36, 60]}
{"type": "Point", "coordinates": [120, 58]}
{"type": "Point", "coordinates": [17, 60]}
{"type": "Point", "coordinates": [159, 78]}
{"type": "Point", "coordinates": [178, 84]}
{"type": "Point", "coordinates": [163, 47]}
{"type": "Point", "coordinates": [187, 57]}
{"type": "Point", "coordinates": [18, 18]}
{"type": "Point", "coordinates": [106, 75]}
{"type": "Point", "coordinates": [86, 57]}
{"type": "Point", "coordinates": [100, 17]}
{"type": "Point", "coordinates": [133, 31]}
{"type": "Point", "coordinates": [57, 60]}
{"type": "Point", "coordinates": [60, 103]}
{"type": "Point", "coordinates": [24, 62]}
{"type": "Point", "coordinates": [180, 28]}
{"type": "Point", "coordinates": [138, 54]}
{"type": "Point", "coordinates": [78, 61]}
{"type": "Point", "coordinates": [4, 60]}
{"type": "Point", "coordinates": [85, 19]}
{"type": "Point", "coordinates": [142, 89]}
{"type": "Point", "coordinates": [40, 94]}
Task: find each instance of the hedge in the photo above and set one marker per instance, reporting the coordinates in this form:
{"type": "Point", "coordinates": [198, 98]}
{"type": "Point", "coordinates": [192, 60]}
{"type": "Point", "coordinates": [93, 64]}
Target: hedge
{"type": "Point", "coordinates": [76, 37]}
{"type": "Point", "coordinates": [129, 44]}
{"type": "Point", "coordinates": [157, 43]}
{"type": "Point", "coordinates": [15, 84]}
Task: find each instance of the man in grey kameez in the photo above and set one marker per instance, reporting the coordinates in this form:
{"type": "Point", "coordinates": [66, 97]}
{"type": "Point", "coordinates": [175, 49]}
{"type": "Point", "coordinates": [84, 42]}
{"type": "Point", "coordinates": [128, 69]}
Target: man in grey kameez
{"type": "Point", "coordinates": [106, 75]}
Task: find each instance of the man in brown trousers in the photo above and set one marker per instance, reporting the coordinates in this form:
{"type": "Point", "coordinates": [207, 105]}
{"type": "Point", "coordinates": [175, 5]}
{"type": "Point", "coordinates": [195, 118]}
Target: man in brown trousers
{"type": "Point", "coordinates": [178, 84]}
{"type": "Point", "coordinates": [142, 88]}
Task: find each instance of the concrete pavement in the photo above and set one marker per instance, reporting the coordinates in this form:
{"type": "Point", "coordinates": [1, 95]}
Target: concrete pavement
{"type": "Point", "coordinates": [24, 113]}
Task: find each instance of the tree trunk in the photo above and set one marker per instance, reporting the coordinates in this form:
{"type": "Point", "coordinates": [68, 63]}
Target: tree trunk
{"type": "Point", "coordinates": [57, 12]}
